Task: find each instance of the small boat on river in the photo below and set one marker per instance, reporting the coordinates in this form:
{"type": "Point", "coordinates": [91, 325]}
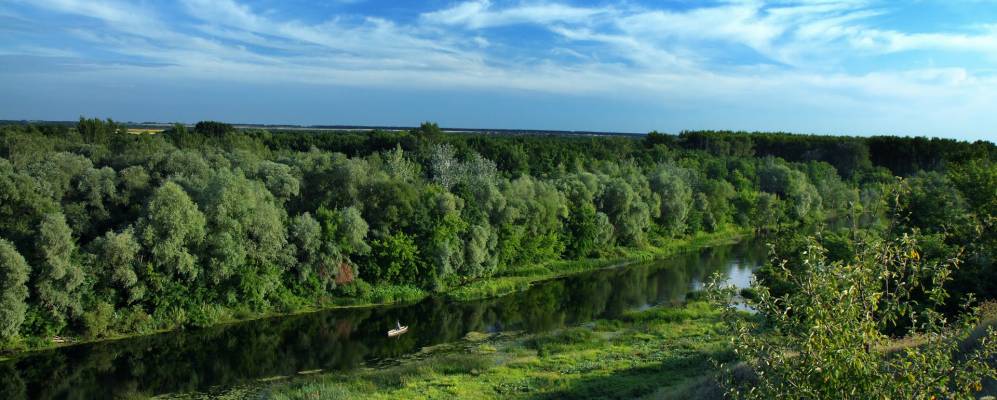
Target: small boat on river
{"type": "Point", "coordinates": [398, 331]}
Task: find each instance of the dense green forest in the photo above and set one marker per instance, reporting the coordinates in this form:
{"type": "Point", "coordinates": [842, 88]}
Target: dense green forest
{"type": "Point", "coordinates": [105, 232]}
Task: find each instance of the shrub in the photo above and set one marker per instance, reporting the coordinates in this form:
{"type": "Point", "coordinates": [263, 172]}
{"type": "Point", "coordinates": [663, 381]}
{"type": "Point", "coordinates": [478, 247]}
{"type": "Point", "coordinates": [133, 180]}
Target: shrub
{"type": "Point", "coordinates": [97, 321]}
{"type": "Point", "coordinates": [828, 339]}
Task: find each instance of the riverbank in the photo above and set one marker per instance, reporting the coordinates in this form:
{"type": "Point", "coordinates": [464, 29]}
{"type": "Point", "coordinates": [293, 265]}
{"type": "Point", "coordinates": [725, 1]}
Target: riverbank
{"type": "Point", "coordinates": [659, 353]}
{"type": "Point", "coordinates": [521, 278]}
{"type": "Point", "coordinates": [655, 353]}
{"type": "Point", "coordinates": [507, 282]}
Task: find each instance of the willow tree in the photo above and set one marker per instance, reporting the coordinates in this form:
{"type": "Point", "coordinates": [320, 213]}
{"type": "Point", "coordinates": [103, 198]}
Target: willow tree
{"type": "Point", "coordinates": [14, 272]}
{"type": "Point", "coordinates": [676, 198]}
{"type": "Point", "coordinates": [246, 236]}
{"type": "Point", "coordinates": [22, 204]}
{"type": "Point", "coordinates": [118, 255]}
{"type": "Point", "coordinates": [171, 227]}
{"type": "Point", "coordinates": [59, 276]}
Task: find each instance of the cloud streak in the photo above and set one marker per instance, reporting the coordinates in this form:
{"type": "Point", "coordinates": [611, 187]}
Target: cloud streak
{"type": "Point", "coordinates": [809, 52]}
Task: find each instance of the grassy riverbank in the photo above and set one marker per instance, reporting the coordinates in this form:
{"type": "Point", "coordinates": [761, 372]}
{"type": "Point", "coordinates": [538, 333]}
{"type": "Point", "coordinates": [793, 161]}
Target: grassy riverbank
{"type": "Point", "coordinates": [506, 282]}
{"type": "Point", "coordinates": [655, 353]}
{"type": "Point", "coordinates": [518, 279]}
{"type": "Point", "coordinates": [659, 353]}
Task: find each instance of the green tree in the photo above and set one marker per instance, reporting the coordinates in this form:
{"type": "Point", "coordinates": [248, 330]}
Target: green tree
{"type": "Point", "coordinates": [581, 226]}
{"type": "Point", "coordinates": [628, 211]}
{"type": "Point", "coordinates": [179, 135]}
{"type": "Point", "coordinates": [327, 243]}
{"type": "Point", "coordinates": [351, 230]}
{"type": "Point", "coordinates": [791, 185]}
{"type": "Point", "coordinates": [245, 238]}
{"type": "Point", "coordinates": [14, 272]}
{"type": "Point", "coordinates": [185, 166]}
{"type": "Point", "coordinates": [213, 129]}
{"type": "Point", "coordinates": [393, 259]}
{"type": "Point", "coordinates": [441, 230]}
{"type": "Point", "coordinates": [428, 132]}
{"type": "Point", "coordinates": [976, 179]}
{"type": "Point", "coordinates": [933, 204]}
{"type": "Point", "coordinates": [171, 228]}
{"type": "Point", "coordinates": [316, 257]}
{"type": "Point", "coordinates": [767, 212]}
{"type": "Point", "coordinates": [94, 130]}
{"type": "Point", "coordinates": [59, 276]}
{"type": "Point", "coordinates": [278, 179]}
{"type": "Point", "coordinates": [118, 260]}
{"type": "Point", "coordinates": [22, 205]}
{"type": "Point", "coordinates": [676, 198]}
{"type": "Point", "coordinates": [478, 249]}
{"type": "Point", "coordinates": [134, 185]}
{"type": "Point", "coordinates": [444, 166]}
{"type": "Point", "coordinates": [531, 222]}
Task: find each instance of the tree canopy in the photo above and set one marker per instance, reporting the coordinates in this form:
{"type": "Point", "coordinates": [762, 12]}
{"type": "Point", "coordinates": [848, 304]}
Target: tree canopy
{"type": "Point", "coordinates": [188, 225]}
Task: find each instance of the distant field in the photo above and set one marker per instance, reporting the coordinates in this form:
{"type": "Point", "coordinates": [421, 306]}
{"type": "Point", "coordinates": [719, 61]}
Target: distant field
{"type": "Point", "coordinates": [144, 131]}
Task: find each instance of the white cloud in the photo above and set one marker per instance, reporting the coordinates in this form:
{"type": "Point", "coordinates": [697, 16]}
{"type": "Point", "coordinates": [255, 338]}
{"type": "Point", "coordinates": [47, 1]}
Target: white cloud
{"type": "Point", "coordinates": [623, 50]}
{"type": "Point", "coordinates": [480, 14]}
{"type": "Point", "coordinates": [225, 12]}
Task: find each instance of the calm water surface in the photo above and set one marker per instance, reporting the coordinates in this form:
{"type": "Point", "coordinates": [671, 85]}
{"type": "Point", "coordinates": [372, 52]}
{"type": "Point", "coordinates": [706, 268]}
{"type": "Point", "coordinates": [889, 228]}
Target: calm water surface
{"type": "Point", "coordinates": [202, 359]}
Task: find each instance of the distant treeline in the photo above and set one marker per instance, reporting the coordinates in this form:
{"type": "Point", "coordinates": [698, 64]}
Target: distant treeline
{"type": "Point", "coordinates": [901, 155]}
{"type": "Point", "coordinates": [102, 231]}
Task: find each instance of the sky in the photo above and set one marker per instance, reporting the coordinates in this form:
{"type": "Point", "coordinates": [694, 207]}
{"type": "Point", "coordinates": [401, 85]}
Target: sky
{"type": "Point", "coordinates": [853, 67]}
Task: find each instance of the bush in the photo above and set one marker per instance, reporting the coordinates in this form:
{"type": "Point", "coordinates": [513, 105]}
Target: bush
{"type": "Point", "coordinates": [828, 337]}
{"type": "Point", "coordinates": [136, 320]}
{"type": "Point", "coordinates": [97, 321]}
{"type": "Point", "coordinates": [359, 289]}
{"type": "Point", "coordinates": [204, 315]}
{"type": "Point", "coordinates": [395, 294]}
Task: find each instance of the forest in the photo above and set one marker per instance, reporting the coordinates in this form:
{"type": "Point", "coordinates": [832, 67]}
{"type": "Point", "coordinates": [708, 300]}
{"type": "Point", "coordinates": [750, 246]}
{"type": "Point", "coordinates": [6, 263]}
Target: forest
{"type": "Point", "coordinates": [105, 232]}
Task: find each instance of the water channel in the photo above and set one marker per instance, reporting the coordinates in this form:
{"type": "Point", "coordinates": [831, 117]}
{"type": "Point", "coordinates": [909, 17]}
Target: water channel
{"type": "Point", "coordinates": [202, 359]}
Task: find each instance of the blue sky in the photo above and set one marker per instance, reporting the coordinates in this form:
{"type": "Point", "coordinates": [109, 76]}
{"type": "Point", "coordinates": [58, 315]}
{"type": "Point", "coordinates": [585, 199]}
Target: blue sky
{"type": "Point", "coordinates": [855, 67]}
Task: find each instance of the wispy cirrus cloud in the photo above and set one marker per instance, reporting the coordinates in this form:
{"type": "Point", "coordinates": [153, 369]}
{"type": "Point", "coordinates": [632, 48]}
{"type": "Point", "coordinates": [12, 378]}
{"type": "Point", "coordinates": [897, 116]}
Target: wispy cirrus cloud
{"type": "Point", "coordinates": [482, 14]}
{"type": "Point", "coordinates": [835, 55]}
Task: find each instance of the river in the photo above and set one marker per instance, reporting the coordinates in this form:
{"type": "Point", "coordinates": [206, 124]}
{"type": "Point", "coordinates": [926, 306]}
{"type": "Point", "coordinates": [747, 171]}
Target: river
{"type": "Point", "coordinates": [222, 356]}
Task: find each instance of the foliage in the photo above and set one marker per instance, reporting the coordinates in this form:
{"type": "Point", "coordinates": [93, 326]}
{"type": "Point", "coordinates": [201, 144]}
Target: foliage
{"type": "Point", "coordinates": [118, 260]}
{"type": "Point", "coordinates": [828, 337]}
{"type": "Point", "coordinates": [59, 275]}
{"type": "Point", "coordinates": [171, 227]}
{"type": "Point", "coordinates": [97, 321]}
{"type": "Point", "coordinates": [671, 186]}
{"type": "Point", "coordinates": [213, 128]}
{"type": "Point", "coordinates": [212, 222]}
{"type": "Point", "coordinates": [13, 289]}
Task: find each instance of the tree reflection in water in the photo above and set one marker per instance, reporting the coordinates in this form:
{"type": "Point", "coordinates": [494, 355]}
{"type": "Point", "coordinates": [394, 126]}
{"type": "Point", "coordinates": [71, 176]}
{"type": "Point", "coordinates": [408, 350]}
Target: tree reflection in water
{"type": "Point", "coordinates": [344, 339]}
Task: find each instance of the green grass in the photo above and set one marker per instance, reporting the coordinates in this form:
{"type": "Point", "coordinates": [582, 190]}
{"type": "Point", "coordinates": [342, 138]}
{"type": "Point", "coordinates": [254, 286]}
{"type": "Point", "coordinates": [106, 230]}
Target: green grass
{"type": "Point", "coordinates": [648, 353]}
{"type": "Point", "coordinates": [387, 294]}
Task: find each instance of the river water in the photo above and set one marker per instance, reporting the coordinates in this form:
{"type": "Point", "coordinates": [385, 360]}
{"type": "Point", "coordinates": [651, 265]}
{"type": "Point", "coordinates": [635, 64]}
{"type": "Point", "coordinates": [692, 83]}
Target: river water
{"type": "Point", "coordinates": [199, 360]}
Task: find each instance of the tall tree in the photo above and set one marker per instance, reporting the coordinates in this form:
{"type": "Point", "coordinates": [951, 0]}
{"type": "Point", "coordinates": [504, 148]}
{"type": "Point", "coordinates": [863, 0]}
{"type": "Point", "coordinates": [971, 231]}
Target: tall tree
{"type": "Point", "coordinates": [676, 198]}
{"type": "Point", "coordinates": [117, 256]}
{"type": "Point", "coordinates": [171, 227]}
{"type": "Point", "coordinates": [213, 129]}
{"type": "Point", "coordinates": [22, 205]}
{"type": "Point", "coordinates": [59, 276]}
{"type": "Point", "coordinates": [246, 235]}
{"type": "Point", "coordinates": [14, 272]}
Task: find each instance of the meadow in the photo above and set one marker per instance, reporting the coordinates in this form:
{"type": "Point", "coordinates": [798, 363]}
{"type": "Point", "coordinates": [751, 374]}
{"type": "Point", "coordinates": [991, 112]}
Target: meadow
{"type": "Point", "coordinates": [658, 353]}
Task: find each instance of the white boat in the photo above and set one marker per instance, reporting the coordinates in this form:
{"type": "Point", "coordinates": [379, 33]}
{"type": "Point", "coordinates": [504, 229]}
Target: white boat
{"type": "Point", "coordinates": [398, 331]}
